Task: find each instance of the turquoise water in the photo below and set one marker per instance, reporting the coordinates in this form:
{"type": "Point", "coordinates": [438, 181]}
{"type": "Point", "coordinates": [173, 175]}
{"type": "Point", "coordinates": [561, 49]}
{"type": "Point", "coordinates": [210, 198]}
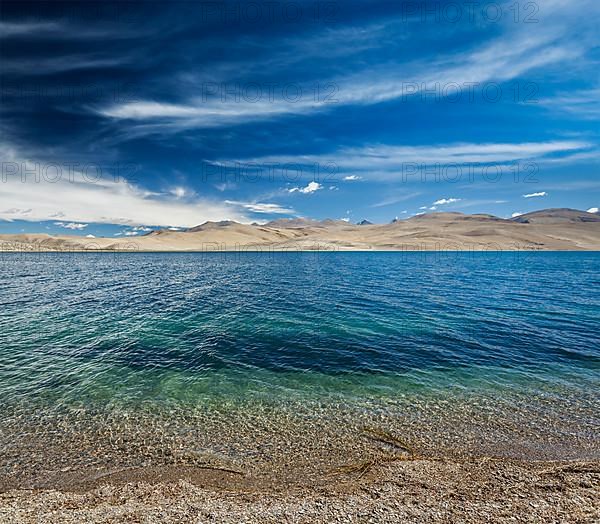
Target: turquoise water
{"type": "Point", "coordinates": [226, 354]}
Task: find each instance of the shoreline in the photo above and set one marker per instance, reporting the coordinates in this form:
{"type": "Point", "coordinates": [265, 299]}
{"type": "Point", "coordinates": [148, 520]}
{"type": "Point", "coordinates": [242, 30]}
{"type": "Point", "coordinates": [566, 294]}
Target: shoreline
{"type": "Point", "coordinates": [268, 249]}
{"type": "Point", "coordinates": [405, 490]}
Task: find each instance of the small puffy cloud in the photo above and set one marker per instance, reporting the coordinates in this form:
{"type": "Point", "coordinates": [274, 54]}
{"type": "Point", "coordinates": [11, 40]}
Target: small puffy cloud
{"type": "Point", "coordinates": [443, 201]}
{"type": "Point", "coordinates": [432, 208]}
{"type": "Point", "coordinates": [131, 233]}
{"type": "Point", "coordinates": [593, 210]}
{"type": "Point", "coordinates": [423, 207]}
{"type": "Point", "coordinates": [310, 188]}
{"type": "Point", "coordinates": [345, 219]}
{"type": "Point", "coordinates": [516, 214]}
{"type": "Point", "coordinates": [71, 225]}
{"type": "Point", "coordinates": [350, 178]}
{"type": "Point", "coordinates": [142, 228]}
{"type": "Point", "coordinates": [535, 195]}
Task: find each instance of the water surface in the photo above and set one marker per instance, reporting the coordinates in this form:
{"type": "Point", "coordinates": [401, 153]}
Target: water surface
{"type": "Point", "coordinates": [281, 359]}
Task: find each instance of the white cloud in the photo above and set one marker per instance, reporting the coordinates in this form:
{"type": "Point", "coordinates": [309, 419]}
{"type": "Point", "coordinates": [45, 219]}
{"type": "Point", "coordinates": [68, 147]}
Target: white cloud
{"type": "Point", "coordinates": [345, 219]}
{"type": "Point", "coordinates": [593, 210]}
{"type": "Point", "coordinates": [107, 201]}
{"type": "Point", "coordinates": [384, 161]}
{"type": "Point", "coordinates": [310, 188]}
{"type": "Point", "coordinates": [257, 207]}
{"type": "Point", "coordinates": [432, 208]}
{"type": "Point", "coordinates": [206, 114]}
{"type": "Point", "coordinates": [131, 233]}
{"type": "Point", "coordinates": [584, 104]}
{"type": "Point", "coordinates": [535, 195]}
{"type": "Point", "coordinates": [71, 225]}
{"type": "Point", "coordinates": [351, 177]}
{"type": "Point", "coordinates": [179, 192]}
{"type": "Point", "coordinates": [444, 201]}
{"type": "Point", "coordinates": [516, 214]}
{"type": "Point", "coordinates": [508, 56]}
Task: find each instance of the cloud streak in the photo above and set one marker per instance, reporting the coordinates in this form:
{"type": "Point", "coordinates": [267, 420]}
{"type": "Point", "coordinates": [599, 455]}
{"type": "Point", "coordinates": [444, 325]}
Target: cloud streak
{"type": "Point", "coordinates": [536, 195]}
{"type": "Point", "coordinates": [384, 161]}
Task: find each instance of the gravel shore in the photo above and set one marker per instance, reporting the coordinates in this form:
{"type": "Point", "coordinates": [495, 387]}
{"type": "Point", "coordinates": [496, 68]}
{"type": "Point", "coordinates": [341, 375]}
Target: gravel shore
{"type": "Point", "coordinates": [422, 490]}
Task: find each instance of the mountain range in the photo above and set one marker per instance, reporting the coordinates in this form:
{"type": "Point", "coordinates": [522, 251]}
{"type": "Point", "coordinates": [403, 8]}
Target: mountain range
{"type": "Point", "coordinates": [548, 229]}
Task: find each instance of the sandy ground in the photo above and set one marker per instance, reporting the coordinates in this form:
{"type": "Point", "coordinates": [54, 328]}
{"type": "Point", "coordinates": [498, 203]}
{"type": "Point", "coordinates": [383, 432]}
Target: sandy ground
{"type": "Point", "coordinates": [420, 490]}
{"type": "Point", "coordinates": [555, 230]}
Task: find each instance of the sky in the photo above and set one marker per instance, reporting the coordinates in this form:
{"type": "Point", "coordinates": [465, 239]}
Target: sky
{"type": "Point", "coordinates": [119, 118]}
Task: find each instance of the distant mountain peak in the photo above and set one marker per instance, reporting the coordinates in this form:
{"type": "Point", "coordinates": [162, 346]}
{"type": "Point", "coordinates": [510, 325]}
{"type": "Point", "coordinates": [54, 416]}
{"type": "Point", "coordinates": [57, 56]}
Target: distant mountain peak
{"type": "Point", "coordinates": [556, 216]}
{"type": "Point", "coordinates": [211, 225]}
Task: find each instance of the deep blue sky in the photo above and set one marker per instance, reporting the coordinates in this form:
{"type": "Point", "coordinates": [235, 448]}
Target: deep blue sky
{"type": "Point", "coordinates": [120, 117]}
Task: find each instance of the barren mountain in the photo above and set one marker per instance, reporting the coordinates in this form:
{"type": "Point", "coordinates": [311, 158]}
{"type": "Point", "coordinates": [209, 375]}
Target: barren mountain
{"type": "Point", "coordinates": [550, 229]}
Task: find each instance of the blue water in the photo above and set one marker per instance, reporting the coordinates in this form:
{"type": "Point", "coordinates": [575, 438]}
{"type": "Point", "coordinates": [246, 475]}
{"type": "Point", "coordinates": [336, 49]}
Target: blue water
{"type": "Point", "coordinates": [506, 344]}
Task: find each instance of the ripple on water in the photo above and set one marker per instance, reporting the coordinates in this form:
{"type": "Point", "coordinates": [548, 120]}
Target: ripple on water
{"type": "Point", "coordinates": [277, 359]}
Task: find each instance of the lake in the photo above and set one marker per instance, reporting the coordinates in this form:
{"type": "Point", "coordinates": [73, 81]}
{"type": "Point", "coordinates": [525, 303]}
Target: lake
{"type": "Point", "coordinates": [280, 362]}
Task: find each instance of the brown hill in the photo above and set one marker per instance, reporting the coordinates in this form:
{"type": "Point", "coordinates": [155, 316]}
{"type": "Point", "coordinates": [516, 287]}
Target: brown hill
{"type": "Point", "coordinates": [557, 216]}
{"type": "Point", "coordinates": [550, 229]}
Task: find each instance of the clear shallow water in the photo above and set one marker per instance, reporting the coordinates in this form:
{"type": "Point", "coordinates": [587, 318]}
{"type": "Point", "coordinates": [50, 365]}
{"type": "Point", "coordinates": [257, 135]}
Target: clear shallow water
{"type": "Point", "coordinates": [266, 359]}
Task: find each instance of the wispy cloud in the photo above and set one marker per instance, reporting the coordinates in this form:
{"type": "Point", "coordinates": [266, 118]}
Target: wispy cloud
{"type": "Point", "coordinates": [514, 52]}
{"type": "Point", "coordinates": [62, 64]}
{"type": "Point", "coordinates": [75, 199]}
{"type": "Point", "coordinates": [395, 199]}
{"type": "Point", "coordinates": [583, 104]}
{"type": "Point", "coordinates": [64, 30]}
{"type": "Point", "coordinates": [29, 29]}
{"type": "Point", "coordinates": [391, 161]}
{"type": "Point", "coordinates": [258, 207]}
